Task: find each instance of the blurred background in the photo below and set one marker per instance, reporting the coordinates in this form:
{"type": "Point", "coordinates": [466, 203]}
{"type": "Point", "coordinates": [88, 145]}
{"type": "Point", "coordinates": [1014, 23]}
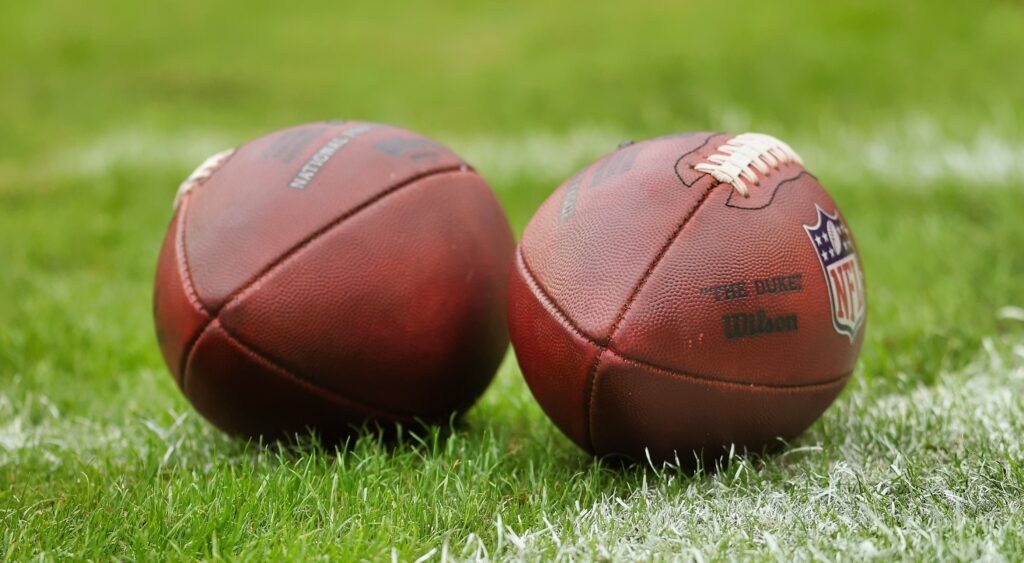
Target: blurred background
{"type": "Point", "coordinates": [908, 112]}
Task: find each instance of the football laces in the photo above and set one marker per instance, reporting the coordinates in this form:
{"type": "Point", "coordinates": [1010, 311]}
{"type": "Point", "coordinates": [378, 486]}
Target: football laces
{"type": "Point", "coordinates": [741, 158]}
{"type": "Point", "coordinates": [202, 174]}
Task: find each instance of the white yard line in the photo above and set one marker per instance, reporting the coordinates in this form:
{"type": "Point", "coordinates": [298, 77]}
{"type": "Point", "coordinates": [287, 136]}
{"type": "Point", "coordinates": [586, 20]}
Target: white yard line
{"type": "Point", "coordinates": [912, 153]}
{"type": "Point", "coordinates": [139, 147]}
{"type": "Point", "coordinates": [844, 504]}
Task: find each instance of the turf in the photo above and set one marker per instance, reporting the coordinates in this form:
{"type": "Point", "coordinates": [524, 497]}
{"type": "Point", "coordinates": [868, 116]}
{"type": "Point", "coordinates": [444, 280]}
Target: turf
{"type": "Point", "coordinates": [906, 111]}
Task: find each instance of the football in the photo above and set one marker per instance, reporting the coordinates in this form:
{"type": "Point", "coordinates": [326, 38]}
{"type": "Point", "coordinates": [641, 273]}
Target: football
{"type": "Point", "coordinates": [331, 274]}
{"type": "Point", "coordinates": [686, 295]}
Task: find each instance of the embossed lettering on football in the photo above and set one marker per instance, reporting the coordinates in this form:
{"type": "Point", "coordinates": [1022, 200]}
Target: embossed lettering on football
{"type": "Point", "coordinates": [686, 293]}
{"type": "Point", "coordinates": [329, 274]}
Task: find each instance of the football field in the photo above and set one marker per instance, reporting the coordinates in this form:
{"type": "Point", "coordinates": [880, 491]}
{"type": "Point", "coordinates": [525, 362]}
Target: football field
{"type": "Point", "coordinates": [911, 114]}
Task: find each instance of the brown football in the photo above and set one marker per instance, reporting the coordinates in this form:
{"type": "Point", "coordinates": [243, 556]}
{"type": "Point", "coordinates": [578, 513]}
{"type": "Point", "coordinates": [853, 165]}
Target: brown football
{"type": "Point", "coordinates": [685, 294]}
{"type": "Point", "coordinates": [331, 274]}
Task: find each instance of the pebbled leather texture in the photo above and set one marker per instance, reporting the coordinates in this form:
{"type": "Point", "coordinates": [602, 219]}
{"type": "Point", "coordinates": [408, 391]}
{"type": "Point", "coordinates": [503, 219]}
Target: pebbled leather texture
{"type": "Point", "coordinates": [639, 408]}
{"type": "Point", "coordinates": [554, 352]}
{"type": "Point", "coordinates": [178, 313]}
{"type": "Point", "coordinates": [623, 284]}
{"type": "Point", "coordinates": [372, 289]}
{"type": "Point", "coordinates": [592, 247]}
{"type": "Point", "coordinates": [246, 215]}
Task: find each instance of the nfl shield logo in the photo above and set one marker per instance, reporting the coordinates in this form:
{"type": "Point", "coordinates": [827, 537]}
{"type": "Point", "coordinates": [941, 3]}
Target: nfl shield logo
{"type": "Point", "coordinates": [834, 247]}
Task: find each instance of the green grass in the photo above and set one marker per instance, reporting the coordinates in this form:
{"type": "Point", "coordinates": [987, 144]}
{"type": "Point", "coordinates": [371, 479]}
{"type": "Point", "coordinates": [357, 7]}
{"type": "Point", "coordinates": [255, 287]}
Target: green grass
{"type": "Point", "coordinates": [906, 111]}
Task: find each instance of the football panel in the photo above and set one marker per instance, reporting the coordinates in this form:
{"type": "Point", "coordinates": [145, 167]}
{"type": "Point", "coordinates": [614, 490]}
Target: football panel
{"type": "Point", "coordinates": [176, 311]}
{"type": "Point", "coordinates": [554, 357]}
{"type": "Point", "coordinates": [401, 306]}
{"type": "Point", "coordinates": [277, 191]}
{"type": "Point", "coordinates": [742, 296]}
{"type": "Point", "coordinates": [637, 407]}
{"type": "Point", "coordinates": [245, 394]}
{"type": "Point", "coordinates": [594, 239]}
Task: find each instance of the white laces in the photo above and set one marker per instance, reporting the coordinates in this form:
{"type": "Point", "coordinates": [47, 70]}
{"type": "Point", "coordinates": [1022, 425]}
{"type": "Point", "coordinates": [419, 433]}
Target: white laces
{"type": "Point", "coordinates": [736, 161]}
{"type": "Point", "coordinates": [201, 174]}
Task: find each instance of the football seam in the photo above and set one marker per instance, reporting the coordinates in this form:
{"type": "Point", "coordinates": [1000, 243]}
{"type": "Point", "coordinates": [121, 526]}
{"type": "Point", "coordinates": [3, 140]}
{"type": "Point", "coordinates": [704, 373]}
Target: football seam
{"type": "Point", "coordinates": [560, 315]}
{"type": "Point", "coordinates": [253, 282]}
{"type": "Point", "coordinates": [607, 341]}
{"type": "Point", "coordinates": [781, 387]}
{"type": "Point", "coordinates": [319, 390]}
{"type": "Point", "coordinates": [184, 269]}
{"type": "Point", "coordinates": [239, 293]}
{"type": "Point", "coordinates": [547, 300]}
{"type": "Point", "coordinates": [185, 273]}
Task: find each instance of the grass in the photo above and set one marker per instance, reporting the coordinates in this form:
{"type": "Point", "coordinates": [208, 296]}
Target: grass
{"type": "Point", "coordinates": [906, 112]}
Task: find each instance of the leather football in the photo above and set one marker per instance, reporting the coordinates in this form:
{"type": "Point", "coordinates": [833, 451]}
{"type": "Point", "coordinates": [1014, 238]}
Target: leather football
{"type": "Point", "coordinates": [687, 294]}
{"type": "Point", "coordinates": [332, 274]}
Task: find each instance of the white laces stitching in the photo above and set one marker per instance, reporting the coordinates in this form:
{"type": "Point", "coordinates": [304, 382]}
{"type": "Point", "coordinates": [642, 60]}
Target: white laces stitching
{"type": "Point", "coordinates": [739, 160]}
{"type": "Point", "coordinates": [201, 174]}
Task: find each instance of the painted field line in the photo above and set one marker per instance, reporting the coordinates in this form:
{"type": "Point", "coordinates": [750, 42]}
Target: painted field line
{"type": "Point", "coordinates": [913, 154]}
{"type": "Point", "coordinates": [913, 470]}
